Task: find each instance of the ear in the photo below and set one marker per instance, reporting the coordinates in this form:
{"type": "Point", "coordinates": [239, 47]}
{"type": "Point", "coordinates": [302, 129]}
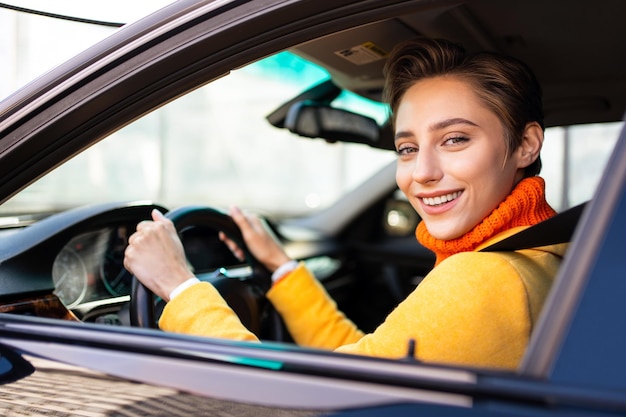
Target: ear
{"type": "Point", "coordinates": [529, 149]}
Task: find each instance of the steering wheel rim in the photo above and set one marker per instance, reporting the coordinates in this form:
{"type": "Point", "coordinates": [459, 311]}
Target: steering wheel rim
{"type": "Point", "coordinates": [142, 312]}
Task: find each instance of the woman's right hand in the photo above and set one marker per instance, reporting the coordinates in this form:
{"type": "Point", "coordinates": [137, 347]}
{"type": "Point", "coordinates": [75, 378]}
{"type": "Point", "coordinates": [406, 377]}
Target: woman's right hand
{"type": "Point", "coordinates": [155, 255]}
{"type": "Point", "coordinates": [260, 241]}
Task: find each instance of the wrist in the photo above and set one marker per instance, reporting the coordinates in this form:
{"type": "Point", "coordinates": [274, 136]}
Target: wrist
{"type": "Point", "coordinates": [284, 270]}
{"type": "Point", "coordinates": [182, 287]}
{"type": "Point", "coordinates": [276, 263]}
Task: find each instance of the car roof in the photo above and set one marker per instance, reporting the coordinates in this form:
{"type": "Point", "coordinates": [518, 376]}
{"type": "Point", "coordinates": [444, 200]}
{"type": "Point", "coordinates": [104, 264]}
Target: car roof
{"type": "Point", "coordinates": [575, 48]}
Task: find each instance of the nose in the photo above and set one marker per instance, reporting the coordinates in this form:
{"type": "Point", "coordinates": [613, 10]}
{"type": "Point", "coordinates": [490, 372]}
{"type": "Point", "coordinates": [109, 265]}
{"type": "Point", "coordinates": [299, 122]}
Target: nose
{"type": "Point", "coordinates": [427, 167]}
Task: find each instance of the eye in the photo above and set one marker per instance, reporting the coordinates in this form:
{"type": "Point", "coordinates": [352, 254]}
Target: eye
{"type": "Point", "coordinates": [406, 149]}
{"type": "Point", "coordinates": [457, 140]}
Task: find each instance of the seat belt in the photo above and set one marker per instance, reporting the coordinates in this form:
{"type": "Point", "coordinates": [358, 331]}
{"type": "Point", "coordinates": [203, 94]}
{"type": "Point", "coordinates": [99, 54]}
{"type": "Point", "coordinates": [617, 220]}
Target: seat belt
{"type": "Point", "coordinates": [556, 229]}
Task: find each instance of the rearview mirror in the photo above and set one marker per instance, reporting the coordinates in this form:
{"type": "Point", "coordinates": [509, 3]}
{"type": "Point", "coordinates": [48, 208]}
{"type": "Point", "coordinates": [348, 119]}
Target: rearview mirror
{"type": "Point", "coordinates": [318, 120]}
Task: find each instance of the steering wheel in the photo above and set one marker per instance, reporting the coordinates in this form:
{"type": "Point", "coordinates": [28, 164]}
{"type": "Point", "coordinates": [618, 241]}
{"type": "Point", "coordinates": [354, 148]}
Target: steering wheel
{"type": "Point", "coordinates": [244, 295]}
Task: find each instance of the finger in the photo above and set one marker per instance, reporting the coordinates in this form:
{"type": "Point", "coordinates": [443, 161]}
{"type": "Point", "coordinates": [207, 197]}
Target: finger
{"type": "Point", "coordinates": [256, 224]}
{"type": "Point", "coordinates": [232, 246]}
{"type": "Point", "coordinates": [250, 225]}
{"type": "Point", "coordinates": [239, 218]}
{"type": "Point", "coordinates": [143, 224]}
{"type": "Point", "coordinates": [227, 241]}
{"type": "Point", "coordinates": [238, 253]}
{"type": "Point", "coordinates": [160, 219]}
{"type": "Point", "coordinates": [127, 259]}
{"type": "Point", "coordinates": [157, 215]}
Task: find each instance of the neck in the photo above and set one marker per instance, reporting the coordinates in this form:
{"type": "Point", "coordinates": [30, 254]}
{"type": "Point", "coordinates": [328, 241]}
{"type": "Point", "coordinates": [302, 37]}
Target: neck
{"type": "Point", "coordinates": [525, 206]}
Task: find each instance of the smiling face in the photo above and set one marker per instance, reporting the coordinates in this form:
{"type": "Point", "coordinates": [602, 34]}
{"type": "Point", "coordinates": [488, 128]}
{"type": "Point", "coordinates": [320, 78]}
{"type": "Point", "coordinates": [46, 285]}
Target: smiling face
{"type": "Point", "coordinates": [453, 164]}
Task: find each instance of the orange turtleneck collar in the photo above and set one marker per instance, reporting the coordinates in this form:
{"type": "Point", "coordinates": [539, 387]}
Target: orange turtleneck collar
{"type": "Point", "coordinates": [525, 206]}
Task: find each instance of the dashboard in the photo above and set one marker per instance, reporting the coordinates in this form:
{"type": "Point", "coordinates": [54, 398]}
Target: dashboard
{"type": "Point", "coordinates": [78, 256]}
{"type": "Point", "coordinates": [90, 266]}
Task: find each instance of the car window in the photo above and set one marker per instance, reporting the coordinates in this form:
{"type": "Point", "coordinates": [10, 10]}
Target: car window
{"type": "Point", "coordinates": [214, 146]}
{"type": "Point", "coordinates": [573, 160]}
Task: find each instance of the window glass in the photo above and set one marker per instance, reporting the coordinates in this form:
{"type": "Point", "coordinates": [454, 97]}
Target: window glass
{"type": "Point", "coordinates": [589, 151]}
{"type": "Point", "coordinates": [215, 147]}
{"type": "Point", "coordinates": [574, 158]}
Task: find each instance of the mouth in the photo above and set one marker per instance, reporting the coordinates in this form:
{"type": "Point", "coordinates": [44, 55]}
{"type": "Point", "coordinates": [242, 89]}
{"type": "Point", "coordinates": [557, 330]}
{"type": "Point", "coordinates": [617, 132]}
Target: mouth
{"type": "Point", "coordinates": [441, 199]}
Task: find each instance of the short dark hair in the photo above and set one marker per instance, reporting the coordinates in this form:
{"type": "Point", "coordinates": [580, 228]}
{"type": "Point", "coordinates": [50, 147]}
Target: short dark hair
{"type": "Point", "coordinates": [506, 85]}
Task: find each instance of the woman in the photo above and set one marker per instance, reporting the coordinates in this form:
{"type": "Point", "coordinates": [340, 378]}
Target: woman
{"type": "Point", "coordinates": [468, 132]}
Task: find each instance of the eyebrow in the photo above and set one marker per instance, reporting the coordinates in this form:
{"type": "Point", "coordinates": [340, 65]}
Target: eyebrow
{"type": "Point", "coordinates": [437, 126]}
{"type": "Point", "coordinates": [451, 122]}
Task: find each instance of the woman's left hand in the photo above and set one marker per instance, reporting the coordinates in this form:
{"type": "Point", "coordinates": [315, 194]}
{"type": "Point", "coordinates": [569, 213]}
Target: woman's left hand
{"type": "Point", "coordinates": [260, 241]}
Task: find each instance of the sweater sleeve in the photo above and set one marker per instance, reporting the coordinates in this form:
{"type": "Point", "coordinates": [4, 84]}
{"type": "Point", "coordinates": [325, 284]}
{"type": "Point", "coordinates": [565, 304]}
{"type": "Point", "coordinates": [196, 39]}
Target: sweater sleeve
{"type": "Point", "coordinates": [470, 310]}
{"type": "Point", "coordinates": [309, 313]}
{"type": "Point", "coordinates": [200, 310]}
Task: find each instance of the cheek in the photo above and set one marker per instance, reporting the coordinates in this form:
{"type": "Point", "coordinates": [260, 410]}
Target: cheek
{"type": "Point", "coordinates": [491, 185]}
{"type": "Point", "coordinates": [403, 177]}
{"type": "Point", "coordinates": [479, 168]}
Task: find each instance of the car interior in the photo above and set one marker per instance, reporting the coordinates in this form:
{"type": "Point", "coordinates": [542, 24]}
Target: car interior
{"type": "Point", "coordinates": [362, 247]}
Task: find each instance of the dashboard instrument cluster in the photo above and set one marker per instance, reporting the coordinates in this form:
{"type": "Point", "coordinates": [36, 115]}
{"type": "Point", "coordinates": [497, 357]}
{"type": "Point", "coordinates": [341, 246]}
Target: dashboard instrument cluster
{"type": "Point", "coordinates": [91, 266]}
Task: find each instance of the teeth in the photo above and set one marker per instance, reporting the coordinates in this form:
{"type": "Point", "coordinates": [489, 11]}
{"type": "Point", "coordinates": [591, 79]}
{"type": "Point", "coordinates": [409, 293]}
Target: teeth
{"type": "Point", "coordinates": [435, 201]}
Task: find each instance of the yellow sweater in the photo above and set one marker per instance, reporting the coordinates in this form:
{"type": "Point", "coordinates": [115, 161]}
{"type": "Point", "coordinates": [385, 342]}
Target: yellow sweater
{"type": "Point", "coordinates": [474, 308]}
